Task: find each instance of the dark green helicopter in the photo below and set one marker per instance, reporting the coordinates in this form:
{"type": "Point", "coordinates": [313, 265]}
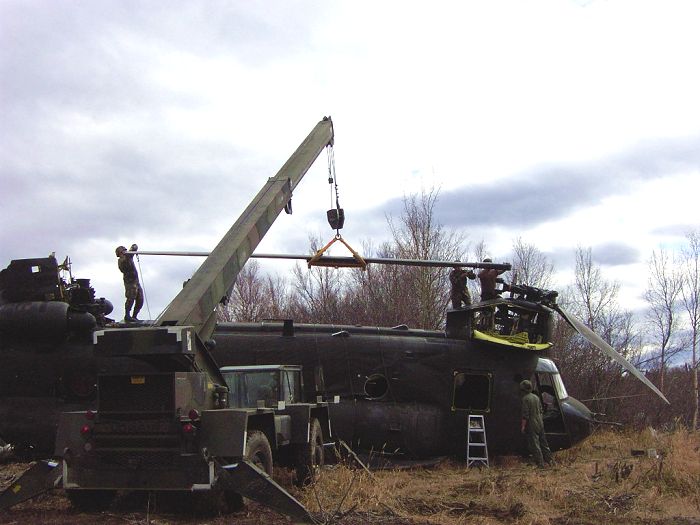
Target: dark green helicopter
{"type": "Point", "coordinates": [411, 391]}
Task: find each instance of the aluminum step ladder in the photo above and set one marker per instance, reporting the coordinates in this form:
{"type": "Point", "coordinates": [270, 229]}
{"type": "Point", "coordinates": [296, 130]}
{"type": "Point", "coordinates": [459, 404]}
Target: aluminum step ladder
{"type": "Point", "coordinates": [477, 450]}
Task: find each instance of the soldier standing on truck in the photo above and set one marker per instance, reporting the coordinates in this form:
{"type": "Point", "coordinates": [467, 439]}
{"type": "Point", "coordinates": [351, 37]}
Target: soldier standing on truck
{"type": "Point", "coordinates": [132, 287]}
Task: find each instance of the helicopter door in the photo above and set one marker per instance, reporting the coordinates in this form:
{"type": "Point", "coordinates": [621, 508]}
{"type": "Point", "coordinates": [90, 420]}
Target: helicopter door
{"type": "Point", "coordinates": [551, 409]}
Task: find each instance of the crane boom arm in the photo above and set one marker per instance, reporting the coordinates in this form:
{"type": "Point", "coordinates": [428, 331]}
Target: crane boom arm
{"type": "Point", "coordinates": [195, 304]}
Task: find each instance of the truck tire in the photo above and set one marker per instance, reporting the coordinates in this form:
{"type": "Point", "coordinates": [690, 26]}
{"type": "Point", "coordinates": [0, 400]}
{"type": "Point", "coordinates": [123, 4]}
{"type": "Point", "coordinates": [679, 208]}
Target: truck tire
{"type": "Point", "coordinates": [258, 451]}
{"type": "Point", "coordinates": [91, 500]}
{"type": "Point", "coordinates": [310, 456]}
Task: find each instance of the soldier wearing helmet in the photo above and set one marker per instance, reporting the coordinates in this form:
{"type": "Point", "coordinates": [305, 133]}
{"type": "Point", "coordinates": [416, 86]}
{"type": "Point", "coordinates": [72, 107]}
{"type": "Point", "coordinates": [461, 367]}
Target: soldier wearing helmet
{"type": "Point", "coordinates": [132, 287]}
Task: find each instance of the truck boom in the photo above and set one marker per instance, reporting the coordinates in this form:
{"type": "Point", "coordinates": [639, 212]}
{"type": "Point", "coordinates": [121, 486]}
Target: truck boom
{"type": "Point", "coordinates": [165, 421]}
{"type": "Point", "coordinates": [195, 304]}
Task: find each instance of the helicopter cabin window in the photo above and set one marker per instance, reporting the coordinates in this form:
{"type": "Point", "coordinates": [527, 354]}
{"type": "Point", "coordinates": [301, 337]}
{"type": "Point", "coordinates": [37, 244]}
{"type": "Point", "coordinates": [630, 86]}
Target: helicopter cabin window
{"type": "Point", "coordinates": [376, 386]}
{"type": "Point", "coordinates": [472, 391]}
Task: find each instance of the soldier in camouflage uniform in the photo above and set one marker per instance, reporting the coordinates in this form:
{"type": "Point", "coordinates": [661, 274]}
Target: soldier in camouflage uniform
{"type": "Point", "coordinates": [459, 293]}
{"type": "Point", "coordinates": [132, 287]}
{"type": "Point", "coordinates": [533, 427]}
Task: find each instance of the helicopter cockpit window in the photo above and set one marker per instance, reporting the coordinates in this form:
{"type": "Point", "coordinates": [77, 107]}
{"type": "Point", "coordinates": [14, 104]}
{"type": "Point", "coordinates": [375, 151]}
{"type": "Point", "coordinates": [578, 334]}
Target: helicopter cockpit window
{"type": "Point", "coordinates": [376, 386]}
{"type": "Point", "coordinates": [559, 386]}
{"type": "Point", "coordinates": [472, 391]}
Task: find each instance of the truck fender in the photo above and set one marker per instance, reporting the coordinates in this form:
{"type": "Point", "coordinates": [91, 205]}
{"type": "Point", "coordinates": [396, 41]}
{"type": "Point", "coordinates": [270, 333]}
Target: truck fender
{"type": "Point", "coordinates": [223, 432]}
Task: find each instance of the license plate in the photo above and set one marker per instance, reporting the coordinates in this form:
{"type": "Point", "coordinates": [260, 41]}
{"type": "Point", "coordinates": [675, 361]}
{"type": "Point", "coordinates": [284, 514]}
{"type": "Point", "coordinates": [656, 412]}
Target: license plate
{"type": "Point", "coordinates": [138, 380]}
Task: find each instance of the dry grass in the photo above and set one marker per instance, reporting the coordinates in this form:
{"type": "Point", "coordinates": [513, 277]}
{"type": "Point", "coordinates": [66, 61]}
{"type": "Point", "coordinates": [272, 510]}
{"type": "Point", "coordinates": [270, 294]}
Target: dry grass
{"type": "Point", "coordinates": [599, 481]}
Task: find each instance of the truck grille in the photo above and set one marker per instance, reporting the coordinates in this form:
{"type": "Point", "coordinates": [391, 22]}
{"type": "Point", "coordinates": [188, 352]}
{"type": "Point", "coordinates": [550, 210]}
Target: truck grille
{"type": "Point", "coordinates": [136, 394]}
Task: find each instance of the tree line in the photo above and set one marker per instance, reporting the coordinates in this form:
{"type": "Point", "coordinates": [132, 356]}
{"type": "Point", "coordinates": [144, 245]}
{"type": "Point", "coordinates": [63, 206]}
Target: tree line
{"type": "Point", "coordinates": [418, 297]}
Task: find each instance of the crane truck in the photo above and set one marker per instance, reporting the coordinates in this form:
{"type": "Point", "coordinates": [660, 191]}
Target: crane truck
{"type": "Point", "coordinates": [172, 420]}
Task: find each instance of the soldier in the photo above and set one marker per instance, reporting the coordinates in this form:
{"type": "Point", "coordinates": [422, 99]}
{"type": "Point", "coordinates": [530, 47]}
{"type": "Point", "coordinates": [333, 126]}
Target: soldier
{"type": "Point", "coordinates": [459, 292]}
{"type": "Point", "coordinates": [132, 288]}
{"type": "Point", "coordinates": [533, 427]}
{"type": "Point", "coordinates": [487, 278]}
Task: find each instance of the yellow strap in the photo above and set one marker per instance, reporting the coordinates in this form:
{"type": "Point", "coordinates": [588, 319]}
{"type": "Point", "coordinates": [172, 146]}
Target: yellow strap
{"type": "Point", "coordinates": [508, 341]}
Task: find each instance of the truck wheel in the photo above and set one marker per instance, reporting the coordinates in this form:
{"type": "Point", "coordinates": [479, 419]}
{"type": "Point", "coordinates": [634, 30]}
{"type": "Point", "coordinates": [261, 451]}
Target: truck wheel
{"type": "Point", "coordinates": [310, 456]}
{"type": "Point", "coordinates": [90, 500]}
{"type": "Point", "coordinates": [258, 451]}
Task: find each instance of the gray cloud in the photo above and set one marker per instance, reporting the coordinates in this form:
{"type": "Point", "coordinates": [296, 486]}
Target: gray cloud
{"type": "Point", "coordinates": [615, 254]}
{"type": "Point", "coordinates": [678, 230]}
{"type": "Point", "coordinates": [548, 193]}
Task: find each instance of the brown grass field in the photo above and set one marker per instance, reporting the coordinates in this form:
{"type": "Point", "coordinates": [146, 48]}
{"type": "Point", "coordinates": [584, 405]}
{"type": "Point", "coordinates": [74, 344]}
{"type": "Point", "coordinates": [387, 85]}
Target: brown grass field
{"type": "Point", "coordinates": [599, 481]}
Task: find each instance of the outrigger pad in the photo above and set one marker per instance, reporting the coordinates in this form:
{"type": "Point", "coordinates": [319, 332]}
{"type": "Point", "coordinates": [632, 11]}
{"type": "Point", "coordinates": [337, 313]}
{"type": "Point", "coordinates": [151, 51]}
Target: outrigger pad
{"type": "Point", "coordinates": [42, 477]}
{"type": "Point", "coordinates": [249, 481]}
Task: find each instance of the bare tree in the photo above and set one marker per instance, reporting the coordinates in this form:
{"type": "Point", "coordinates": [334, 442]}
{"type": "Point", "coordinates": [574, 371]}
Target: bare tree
{"type": "Point", "coordinates": [417, 235]}
{"type": "Point", "coordinates": [662, 295]}
{"type": "Point", "coordinates": [255, 297]}
{"type": "Point", "coordinates": [481, 252]}
{"type": "Point", "coordinates": [317, 293]}
{"type": "Point", "coordinates": [690, 295]}
{"type": "Point", "coordinates": [530, 265]}
{"type": "Point", "coordinates": [247, 296]}
{"type": "Point", "coordinates": [594, 299]}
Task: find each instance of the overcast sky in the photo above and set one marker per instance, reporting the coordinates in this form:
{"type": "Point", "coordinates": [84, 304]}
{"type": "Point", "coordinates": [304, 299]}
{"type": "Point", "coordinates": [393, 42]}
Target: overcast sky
{"type": "Point", "coordinates": [567, 123]}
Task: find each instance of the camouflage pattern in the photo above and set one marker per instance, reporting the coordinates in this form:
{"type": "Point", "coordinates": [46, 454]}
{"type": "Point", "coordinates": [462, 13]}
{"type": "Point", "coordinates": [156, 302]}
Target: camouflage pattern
{"type": "Point", "coordinates": [132, 288]}
{"type": "Point", "coordinates": [459, 293]}
{"type": "Point", "coordinates": [534, 427]}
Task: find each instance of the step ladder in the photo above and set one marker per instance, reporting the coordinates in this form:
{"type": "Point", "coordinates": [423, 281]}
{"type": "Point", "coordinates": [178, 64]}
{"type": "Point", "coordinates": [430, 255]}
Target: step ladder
{"type": "Point", "coordinates": [477, 451]}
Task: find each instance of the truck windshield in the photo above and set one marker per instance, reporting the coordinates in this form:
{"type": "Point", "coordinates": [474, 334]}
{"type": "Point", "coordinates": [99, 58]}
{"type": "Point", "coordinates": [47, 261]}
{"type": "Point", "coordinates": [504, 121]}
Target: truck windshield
{"type": "Point", "coordinates": [247, 388]}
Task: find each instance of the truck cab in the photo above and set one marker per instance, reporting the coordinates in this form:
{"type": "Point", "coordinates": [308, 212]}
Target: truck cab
{"type": "Point", "coordinates": [301, 429]}
{"type": "Point", "coordinates": [263, 385]}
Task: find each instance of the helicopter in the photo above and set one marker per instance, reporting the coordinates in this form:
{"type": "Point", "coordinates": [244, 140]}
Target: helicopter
{"type": "Point", "coordinates": [411, 392]}
{"type": "Point", "coordinates": [401, 390]}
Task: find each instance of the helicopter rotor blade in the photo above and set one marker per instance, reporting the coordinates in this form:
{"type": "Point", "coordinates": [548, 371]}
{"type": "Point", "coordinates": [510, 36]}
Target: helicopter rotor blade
{"type": "Point", "coordinates": [608, 350]}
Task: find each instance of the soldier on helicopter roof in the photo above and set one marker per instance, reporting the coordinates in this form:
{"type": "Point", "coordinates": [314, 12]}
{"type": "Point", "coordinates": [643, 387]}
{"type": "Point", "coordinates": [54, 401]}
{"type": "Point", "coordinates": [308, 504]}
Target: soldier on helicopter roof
{"type": "Point", "coordinates": [488, 278]}
{"type": "Point", "coordinates": [132, 287]}
{"type": "Point", "coordinates": [459, 293]}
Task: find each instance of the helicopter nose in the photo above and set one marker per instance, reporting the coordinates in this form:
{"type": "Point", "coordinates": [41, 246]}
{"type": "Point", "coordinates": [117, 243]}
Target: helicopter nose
{"type": "Point", "coordinates": [578, 419]}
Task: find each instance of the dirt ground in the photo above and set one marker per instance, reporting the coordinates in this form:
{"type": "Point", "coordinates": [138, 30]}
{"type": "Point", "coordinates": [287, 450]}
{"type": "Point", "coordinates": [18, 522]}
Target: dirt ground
{"type": "Point", "coordinates": [613, 478]}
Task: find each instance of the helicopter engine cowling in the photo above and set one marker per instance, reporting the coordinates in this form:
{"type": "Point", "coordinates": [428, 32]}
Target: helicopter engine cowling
{"type": "Point", "coordinates": [43, 320]}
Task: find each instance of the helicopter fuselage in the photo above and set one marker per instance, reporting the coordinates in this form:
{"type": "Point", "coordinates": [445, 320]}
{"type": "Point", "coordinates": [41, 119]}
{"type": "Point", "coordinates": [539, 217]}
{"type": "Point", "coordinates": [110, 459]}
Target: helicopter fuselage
{"type": "Point", "coordinates": [410, 391]}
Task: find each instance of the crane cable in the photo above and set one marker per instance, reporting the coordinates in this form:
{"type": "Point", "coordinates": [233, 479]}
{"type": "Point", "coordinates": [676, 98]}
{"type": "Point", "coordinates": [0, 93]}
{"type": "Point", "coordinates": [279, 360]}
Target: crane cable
{"type": "Point", "coordinates": [143, 286]}
{"type": "Point", "coordinates": [336, 222]}
{"type": "Point", "coordinates": [333, 181]}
